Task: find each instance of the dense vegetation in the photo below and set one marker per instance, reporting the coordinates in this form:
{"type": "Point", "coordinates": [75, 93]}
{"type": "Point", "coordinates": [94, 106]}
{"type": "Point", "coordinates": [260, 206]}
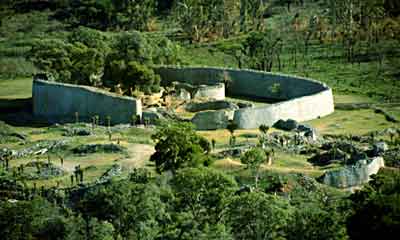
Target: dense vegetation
{"type": "Point", "coordinates": [186, 201]}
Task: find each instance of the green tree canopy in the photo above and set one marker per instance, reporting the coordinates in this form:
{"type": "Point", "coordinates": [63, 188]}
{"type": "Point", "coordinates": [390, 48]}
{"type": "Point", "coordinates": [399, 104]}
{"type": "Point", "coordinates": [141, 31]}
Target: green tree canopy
{"type": "Point", "coordinates": [257, 215]}
{"type": "Point", "coordinates": [178, 146]}
{"type": "Point", "coordinates": [253, 160]}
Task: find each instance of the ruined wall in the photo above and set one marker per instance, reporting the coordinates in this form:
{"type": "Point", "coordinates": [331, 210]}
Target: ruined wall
{"type": "Point", "coordinates": [216, 92]}
{"type": "Point", "coordinates": [300, 98]}
{"type": "Point", "coordinates": [355, 175]}
{"type": "Point", "coordinates": [58, 102]}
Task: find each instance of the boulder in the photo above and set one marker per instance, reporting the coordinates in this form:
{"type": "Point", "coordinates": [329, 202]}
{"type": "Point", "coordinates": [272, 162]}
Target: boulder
{"type": "Point", "coordinates": [114, 171]}
{"type": "Point", "coordinates": [326, 158]}
{"type": "Point", "coordinates": [287, 125]}
{"type": "Point", "coordinates": [77, 132]}
{"type": "Point", "coordinates": [379, 148]}
{"type": "Point", "coordinates": [94, 148]}
{"type": "Point", "coordinates": [183, 94]}
{"type": "Point", "coordinates": [151, 115]}
{"type": "Point", "coordinates": [308, 131]}
{"type": "Point", "coordinates": [213, 105]}
{"type": "Point", "coordinates": [211, 120]}
{"type": "Point", "coordinates": [245, 105]}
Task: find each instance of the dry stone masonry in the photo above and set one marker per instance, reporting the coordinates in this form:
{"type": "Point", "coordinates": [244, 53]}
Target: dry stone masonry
{"type": "Point", "coordinates": [59, 102]}
{"type": "Point", "coordinates": [298, 98]}
{"type": "Point", "coordinates": [353, 175]}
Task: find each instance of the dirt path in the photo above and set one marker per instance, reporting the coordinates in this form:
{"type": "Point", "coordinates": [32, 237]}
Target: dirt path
{"type": "Point", "coordinates": [139, 154]}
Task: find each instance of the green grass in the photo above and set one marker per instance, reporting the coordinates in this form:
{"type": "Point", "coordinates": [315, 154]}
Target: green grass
{"type": "Point", "coordinates": [96, 164]}
{"type": "Point", "coordinates": [16, 88]}
{"type": "Point", "coordinates": [356, 122]}
{"type": "Point", "coordinates": [354, 98]}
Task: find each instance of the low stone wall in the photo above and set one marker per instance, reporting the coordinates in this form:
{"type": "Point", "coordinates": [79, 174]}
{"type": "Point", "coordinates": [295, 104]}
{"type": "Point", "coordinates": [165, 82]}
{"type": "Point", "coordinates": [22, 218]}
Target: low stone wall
{"type": "Point", "coordinates": [355, 175]}
{"type": "Point", "coordinates": [300, 98]}
{"type": "Point", "coordinates": [58, 102]}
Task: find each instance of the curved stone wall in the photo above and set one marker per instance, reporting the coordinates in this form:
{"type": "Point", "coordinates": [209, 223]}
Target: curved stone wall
{"type": "Point", "coordinates": [58, 102]}
{"type": "Point", "coordinates": [300, 98]}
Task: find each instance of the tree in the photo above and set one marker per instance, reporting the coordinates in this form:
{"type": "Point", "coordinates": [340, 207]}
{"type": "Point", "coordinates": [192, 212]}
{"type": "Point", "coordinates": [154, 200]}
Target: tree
{"type": "Point", "coordinates": [232, 127]}
{"type": "Point", "coordinates": [133, 209]}
{"type": "Point", "coordinates": [258, 215]}
{"type": "Point", "coordinates": [202, 19]}
{"type": "Point", "coordinates": [253, 160]}
{"type": "Point", "coordinates": [376, 208]}
{"type": "Point", "coordinates": [263, 50]}
{"type": "Point", "coordinates": [139, 77]}
{"type": "Point", "coordinates": [109, 14]}
{"type": "Point", "coordinates": [35, 219]}
{"type": "Point", "coordinates": [66, 62]}
{"type": "Point", "coordinates": [200, 196]}
{"type": "Point", "coordinates": [252, 15]}
{"type": "Point", "coordinates": [311, 221]}
{"type": "Point", "coordinates": [264, 131]}
{"type": "Point", "coordinates": [178, 146]}
{"type": "Point", "coordinates": [129, 62]}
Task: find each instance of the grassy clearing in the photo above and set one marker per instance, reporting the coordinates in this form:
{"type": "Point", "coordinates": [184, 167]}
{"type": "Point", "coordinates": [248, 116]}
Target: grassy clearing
{"type": "Point", "coordinates": [94, 165]}
{"type": "Point", "coordinates": [283, 163]}
{"type": "Point", "coordinates": [355, 122]}
{"type": "Point", "coordinates": [221, 136]}
{"type": "Point", "coordinates": [347, 98]}
{"type": "Point", "coordinates": [16, 88]}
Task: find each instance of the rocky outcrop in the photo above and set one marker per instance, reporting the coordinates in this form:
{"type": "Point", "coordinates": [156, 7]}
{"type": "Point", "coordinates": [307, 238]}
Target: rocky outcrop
{"type": "Point", "coordinates": [211, 120]}
{"type": "Point", "coordinates": [287, 125]}
{"type": "Point", "coordinates": [151, 116]}
{"type": "Point", "coordinates": [354, 175]}
{"type": "Point", "coordinates": [213, 105]}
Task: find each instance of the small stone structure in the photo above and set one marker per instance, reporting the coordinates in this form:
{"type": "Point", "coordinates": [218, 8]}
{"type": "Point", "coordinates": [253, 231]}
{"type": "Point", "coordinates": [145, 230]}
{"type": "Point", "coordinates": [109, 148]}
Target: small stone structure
{"type": "Point", "coordinates": [189, 91]}
{"type": "Point", "coordinates": [59, 102]}
{"type": "Point", "coordinates": [216, 91]}
{"type": "Point", "coordinates": [354, 175]}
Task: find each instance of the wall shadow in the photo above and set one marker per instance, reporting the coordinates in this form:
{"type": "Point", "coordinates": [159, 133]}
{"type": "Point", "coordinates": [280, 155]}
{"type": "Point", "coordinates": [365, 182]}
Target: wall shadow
{"type": "Point", "coordinates": [19, 113]}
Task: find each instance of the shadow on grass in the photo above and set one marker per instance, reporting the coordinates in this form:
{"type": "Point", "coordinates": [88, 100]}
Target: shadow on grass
{"type": "Point", "coordinates": [18, 112]}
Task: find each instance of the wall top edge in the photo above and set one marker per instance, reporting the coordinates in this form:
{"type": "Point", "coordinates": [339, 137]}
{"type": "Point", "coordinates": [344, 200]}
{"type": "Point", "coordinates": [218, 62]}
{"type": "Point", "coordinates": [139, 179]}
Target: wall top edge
{"type": "Point", "coordinates": [87, 88]}
{"type": "Point", "coordinates": [199, 67]}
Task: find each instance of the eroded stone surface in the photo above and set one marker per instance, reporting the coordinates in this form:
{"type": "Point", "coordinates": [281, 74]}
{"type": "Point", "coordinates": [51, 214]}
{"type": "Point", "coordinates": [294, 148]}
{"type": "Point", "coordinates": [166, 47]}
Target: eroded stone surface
{"type": "Point", "coordinates": [354, 175]}
{"type": "Point", "coordinates": [211, 120]}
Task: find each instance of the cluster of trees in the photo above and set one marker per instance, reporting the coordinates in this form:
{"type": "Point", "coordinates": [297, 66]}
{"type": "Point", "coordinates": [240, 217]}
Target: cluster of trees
{"type": "Point", "coordinates": [108, 14]}
{"type": "Point", "coordinates": [90, 57]}
{"type": "Point", "coordinates": [212, 19]}
{"type": "Point", "coordinates": [187, 200]}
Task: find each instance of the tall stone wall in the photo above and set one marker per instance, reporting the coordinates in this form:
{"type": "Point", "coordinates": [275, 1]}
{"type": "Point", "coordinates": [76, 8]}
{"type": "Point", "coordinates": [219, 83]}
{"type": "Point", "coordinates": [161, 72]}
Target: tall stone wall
{"type": "Point", "coordinates": [58, 102]}
{"type": "Point", "coordinates": [300, 98]}
{"type": "Point", "coordinates": [242, 82]}
{"type": "Point", "coordinates": [355, 175]}
{"type": "Point", "coordinates": [300, 109]}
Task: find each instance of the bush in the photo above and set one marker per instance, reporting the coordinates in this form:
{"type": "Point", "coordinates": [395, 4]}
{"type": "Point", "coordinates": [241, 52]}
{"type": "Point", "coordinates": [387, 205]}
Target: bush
{"type": "Point", "coordinates": [16, 67]}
